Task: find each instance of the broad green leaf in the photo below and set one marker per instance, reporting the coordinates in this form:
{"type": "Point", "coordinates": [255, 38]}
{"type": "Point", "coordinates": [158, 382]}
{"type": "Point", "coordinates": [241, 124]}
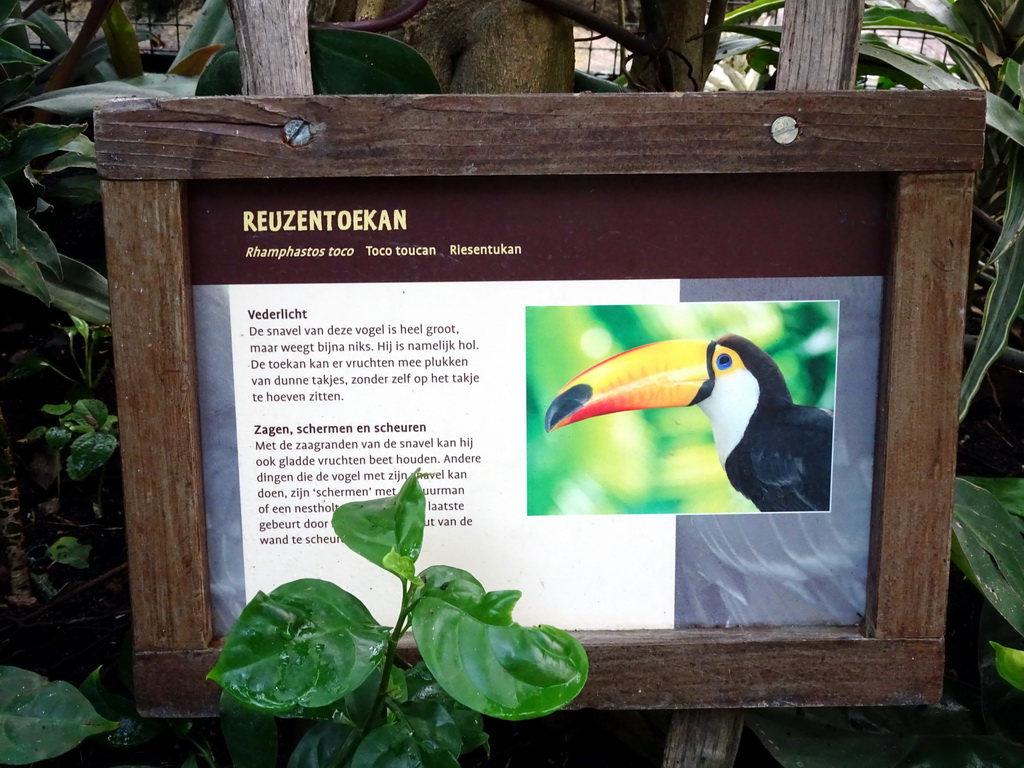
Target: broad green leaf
{"type": "Point", "coordinates": [83, 292]}
{"type": "Point", "coordinates": [19, 270]}
{"type": "Point", "coordinates": [421, 686]}
{"type": "Point", "coordinates": [89, 411]}
{"type": "Point", "coordinates": [12, 54]}
{"type": "Point", "coordinates": [56, 409]}
{"type": "Point", "coordinates": [251, 736]}
{"type": "Point", "coordinates": [8, 218]}
{"type": "Point", "coordinates": [81, 100]}
{"type": "Point", "coordinates": [68, 550]}
{"type": "Point", "coordinates": [751, 11]}
{"type": "Point", "coordinates": [223, 75]}
{"type": "Point", "coordinates": [88, 453]}
{"type": "Point", "coordinates": [40, 719]}
{"type": "Point", "coordinates": [212, 26]}
{"type": "Point", "coordinates": [12, 88]}
{"type": "Point", "coordinates": [35, 140]}
{"type": "Point", "coordinates": [1010, 75]}
{"type": "Point", "coordinates": [982, 24]}
{"type": "Point", "coordinates": [306, 644]}
{"type": "Point", "coordinates": [895, 737]}
{"type": "Point", "coordinates": [375, 528]}
{"type": "Point", "coordinates": [39, 244]}
{"type": "Point", "coordinates": [1001, 115]}
{"type": "Point", "coordinates": [1001, 705]}
{"type": "Point", "coordinates": [1006, 294]}
{"type": "Point", "coordinates": [486, 662]}
{"type": "Point", "coordinates": [120, 36]}
{"type": "Point", "coordinates": [432, 726]}
{"type": "Point", "coordinates": [942, 12]}
{"type": "Point", "coordinates": [989, 549]}
{"type": "Point", "coordinates": [194, 65]}
{"type": "Point", "coordinates": [926, 72]}
{"type": "Point", "coordinates": [350, 62]}
{"type": "Point", "coordinates": [583, 81]}
{"type": "Point", "coordinates": [320, 744]}
{"type": "Point", "coordinates": [1009, 664]}
{"type": "Point", "coordinates": [132, 728]}
{"type": "Point", "coordinates": [57, 437]}
{"type": "Point", "coordinates": [922, 23]}
{"type": "Point", "coordinates": [391, 746]}
{"type": "Point", "coordinates": [1008, 490]}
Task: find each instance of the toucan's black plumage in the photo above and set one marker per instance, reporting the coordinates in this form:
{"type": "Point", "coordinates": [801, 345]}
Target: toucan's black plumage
{"type": "Point", "coordinates": [776, 453]}
{"type": "Point", "coordinates": [783, 462]}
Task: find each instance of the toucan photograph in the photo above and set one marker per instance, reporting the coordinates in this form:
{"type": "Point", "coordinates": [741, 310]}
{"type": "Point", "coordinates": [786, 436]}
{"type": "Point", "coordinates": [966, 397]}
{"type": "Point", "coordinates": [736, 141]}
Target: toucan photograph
{"type": "Point", "coordinates": [691, 408]}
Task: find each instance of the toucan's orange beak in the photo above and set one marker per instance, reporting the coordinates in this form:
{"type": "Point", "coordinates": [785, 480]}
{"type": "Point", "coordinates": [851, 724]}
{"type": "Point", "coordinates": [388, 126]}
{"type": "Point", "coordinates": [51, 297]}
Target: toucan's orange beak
{"type": "Point", "coordinates": [659, 375]}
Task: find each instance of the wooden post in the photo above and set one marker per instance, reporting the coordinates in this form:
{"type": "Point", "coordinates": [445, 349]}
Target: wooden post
{"type": "Point", "coordinates": [818, 53]}
{"type": "Point", "coordinates": [273, 44]}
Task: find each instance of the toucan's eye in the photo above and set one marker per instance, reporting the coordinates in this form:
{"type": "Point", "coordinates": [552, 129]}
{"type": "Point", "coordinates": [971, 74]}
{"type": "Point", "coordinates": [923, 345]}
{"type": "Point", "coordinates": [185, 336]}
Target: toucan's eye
{"type": "Point", "coordinates": [723, 361]}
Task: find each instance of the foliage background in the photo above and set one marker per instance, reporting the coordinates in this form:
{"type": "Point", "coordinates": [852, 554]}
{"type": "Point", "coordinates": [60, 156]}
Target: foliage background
{"type": "Point", "coordinates": [660, 460]}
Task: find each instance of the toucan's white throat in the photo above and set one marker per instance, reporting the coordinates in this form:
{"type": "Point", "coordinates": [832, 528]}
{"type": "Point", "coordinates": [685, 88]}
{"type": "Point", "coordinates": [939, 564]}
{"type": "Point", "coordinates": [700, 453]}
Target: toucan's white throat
{"type": "Point", "coordinates": [729, 408]}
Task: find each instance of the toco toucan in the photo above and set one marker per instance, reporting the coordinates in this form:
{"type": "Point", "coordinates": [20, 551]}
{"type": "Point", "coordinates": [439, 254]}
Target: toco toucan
{"type": "Point", "coordinates": [777, 454]}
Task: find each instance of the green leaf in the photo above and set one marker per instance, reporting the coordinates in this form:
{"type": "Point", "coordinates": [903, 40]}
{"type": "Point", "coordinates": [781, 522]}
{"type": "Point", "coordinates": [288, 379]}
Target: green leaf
{"type": "Point", "coordinates": [57, 437]}
{"type": "Point", "coordinates": [35, 140]}
{"type": "Point", "coordinates": [19, 270]}
{"type": "Point", "coordinates": [88, 410]}
{"type": "Point", "coordinates": [391, 746]}
{"type": "Point", "coordinates": [12, 54]}
{"type": "Point", "coordinates": [68, 550]}
{"type": "Point", "coordinates": [83, 292]}
{"type": "Point", "coordinates": [1001, 705]}
{"type": "Point", "coordinates": [1006, 294]}
{"type": "Point", "coordinates": [39, 244]}
{"type": "Point", "coordinates": [40, 719]}
{"type": "Point", "coordinates": [88, 453]}
{"type": "Point", "coordinates": [251, 736]}
{"type": "Point", "coordinates": [376, 528]}
{"type": "Point", "coordinates": [940, 736]}
{"type": "Point", "coordinates": [433, 725]}
{"type": "Point", "coordinates": [120, 36]}
{"type": "Point", "coordinates": [306, 644]}
{"type": "Point", "coordinates": [223, 75]}
{"type": "Point", "coordinates": [1008, 490]}
{"type": "Point", "coordinates": [320, 744]}
{"type": "Point", "coordinates": [8, 218]}
{"type": "Point", "coordinates": [989, 549]}
{"type": "Point", "coordinates": [56, 409]}
{"type": "Point", "coordinates": [80, 101]}
{"type": "Point", "coordinates": [423, 687]}
{"type": "Point", "coordinates": [583, 81]}
{"type": "Point", "coordinates": [485, 661]}
{"type": "Point", "coordinates": [1009, 664]}
{"type": "Point", "coordinates": [751, 11]}
{"type": "Point", "coordinates": [132, 729]}
{"type": "Point", "coordinates": [1001, 115]}
{"type": "Point", "coordinates": [350, 62]}
{"type": "Point", "coordinates": [212, 26]}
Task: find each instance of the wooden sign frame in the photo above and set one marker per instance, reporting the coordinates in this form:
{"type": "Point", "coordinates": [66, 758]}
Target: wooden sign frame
{"type": "Point", "coordinates": [928, 143]}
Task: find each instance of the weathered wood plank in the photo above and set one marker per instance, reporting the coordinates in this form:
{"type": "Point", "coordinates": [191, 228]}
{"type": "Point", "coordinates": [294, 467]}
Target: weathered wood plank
{"type": "Point", "coordinates": [583, 134]}
{"type": "Point", "coordinates": [668, 669]}
{"type": "Point", "coordinates": [703, 738]}
{"type": "Point", "coordinates": [159, 420]}
{"type": "Point", "coordinates": [273, 47]}
{"type": "Point", "coordinates": [819, 45]}
{"type": "Point", "coordinates": [922, 358]}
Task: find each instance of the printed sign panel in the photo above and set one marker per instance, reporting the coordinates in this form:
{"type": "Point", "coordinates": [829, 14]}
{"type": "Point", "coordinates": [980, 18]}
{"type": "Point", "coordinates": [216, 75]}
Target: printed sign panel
{"type": "Point", "coordinates": [626, 398]}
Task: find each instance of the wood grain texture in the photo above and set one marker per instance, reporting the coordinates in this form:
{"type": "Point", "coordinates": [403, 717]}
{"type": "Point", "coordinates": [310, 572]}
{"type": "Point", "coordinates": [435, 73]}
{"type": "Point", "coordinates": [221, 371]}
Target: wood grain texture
{"type": "Point", "coordinates": [273, 47]}
{"type": "Point", "coordinates": [159, 419]}
{"type": "Point", "coordinates": [666, 669]}
{"type": "Point", "coordinates": [915, 459]}
{"type": "Point", "coordinates": [820, 40]}
{"type": "Point", "coordinates": [703, 738]}
{"type": "Point", "coordinates": [581, 134]}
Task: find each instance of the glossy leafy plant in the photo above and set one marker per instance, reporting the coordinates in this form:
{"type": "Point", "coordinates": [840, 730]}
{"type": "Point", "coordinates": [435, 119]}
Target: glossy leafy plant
{"type": "Point", "coordinates": [310, 649]}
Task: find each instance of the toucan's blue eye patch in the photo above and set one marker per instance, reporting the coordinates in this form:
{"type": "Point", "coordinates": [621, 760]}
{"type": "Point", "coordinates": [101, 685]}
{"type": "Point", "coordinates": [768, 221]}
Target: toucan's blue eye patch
{"type": "Point", "coordinates": [723, 361]}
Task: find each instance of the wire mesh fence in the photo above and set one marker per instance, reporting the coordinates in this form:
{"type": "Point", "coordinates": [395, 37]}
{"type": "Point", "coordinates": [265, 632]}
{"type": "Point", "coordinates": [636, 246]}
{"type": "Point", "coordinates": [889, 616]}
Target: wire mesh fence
{"type": "Point", "coordinates": [164, 25]}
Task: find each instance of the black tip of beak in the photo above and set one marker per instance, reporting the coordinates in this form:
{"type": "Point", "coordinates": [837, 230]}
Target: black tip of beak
{"type": "Point", "coordinates": [566, 404]}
